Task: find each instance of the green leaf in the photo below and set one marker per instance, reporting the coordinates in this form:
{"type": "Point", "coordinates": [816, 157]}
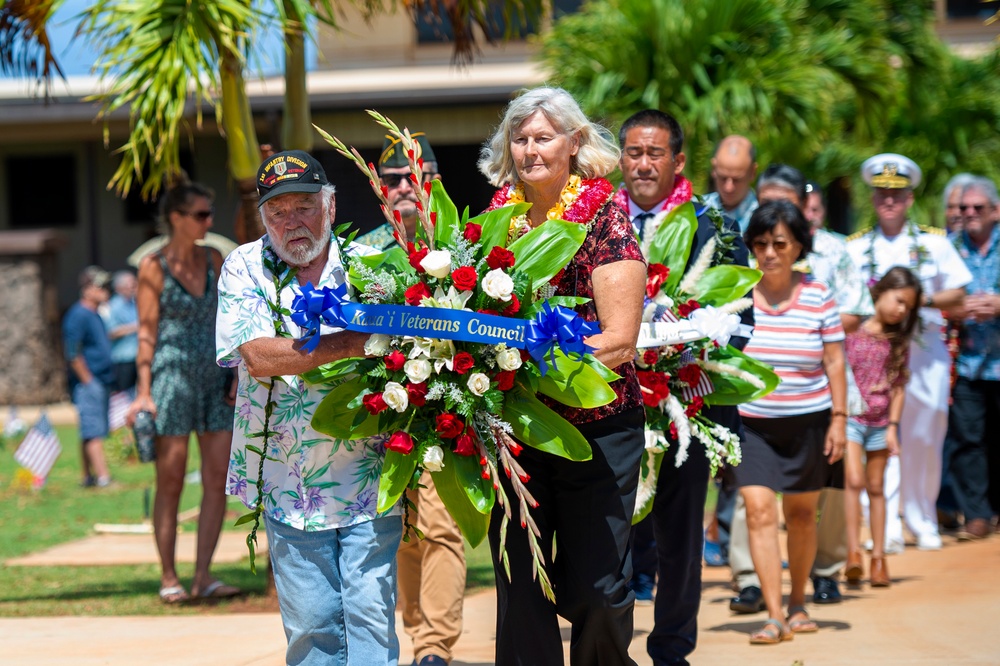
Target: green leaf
{"type": "Point", "coordinates": [565, 301]}
{"type": "Point", "coordinates": [245, 518]}
{"type": "Point", "coordinates": [724, 284]}
{"type": "Point", "coordinates": [606, 373]}
{"type": "Point", "coordinates": [333, 419]}
{"type": "Point", "coordinates": [496, 224]}
{"type": "Point", "coordinates": [397, 470]}
{"type": "Point", "coordinates": [467, 495]}
{"type": "Point", "coordinates": [446, 225]}
{"type": "Point", "coordinates": [671, 245]}
{"type": "Point", "coordinates": [539, 427]}
{"type": "Point", "coordinates": [331, 372]}
{"type": "Point", "coordinates": [576, 384]}
{"type": "Point", "coordinates": [730, 390]}
{"type": "Point", "coordinates": [546, 249]}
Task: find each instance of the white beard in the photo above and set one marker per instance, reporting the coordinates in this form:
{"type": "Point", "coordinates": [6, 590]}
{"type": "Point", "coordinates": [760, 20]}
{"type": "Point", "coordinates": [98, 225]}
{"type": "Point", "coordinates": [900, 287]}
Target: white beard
{"type": "Point", "coordinates": [302, 256]}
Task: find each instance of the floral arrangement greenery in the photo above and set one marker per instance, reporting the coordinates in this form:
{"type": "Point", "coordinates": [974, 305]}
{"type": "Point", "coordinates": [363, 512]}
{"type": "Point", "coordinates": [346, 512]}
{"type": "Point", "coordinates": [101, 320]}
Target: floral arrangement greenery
{"type": "Point", "coordinates": [460, 403]}
{"type": "Point", "coordinates": [687, 362]}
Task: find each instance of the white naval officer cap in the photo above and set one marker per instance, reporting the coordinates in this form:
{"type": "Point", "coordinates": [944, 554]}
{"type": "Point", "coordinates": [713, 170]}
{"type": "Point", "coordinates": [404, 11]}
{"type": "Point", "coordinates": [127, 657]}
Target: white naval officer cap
{"type": "Point", "coordinates": [891, 171]}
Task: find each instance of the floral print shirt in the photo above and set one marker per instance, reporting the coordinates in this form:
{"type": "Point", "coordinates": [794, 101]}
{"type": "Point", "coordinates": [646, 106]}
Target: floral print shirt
{"type": "Point", "coordinates": [311, 482]}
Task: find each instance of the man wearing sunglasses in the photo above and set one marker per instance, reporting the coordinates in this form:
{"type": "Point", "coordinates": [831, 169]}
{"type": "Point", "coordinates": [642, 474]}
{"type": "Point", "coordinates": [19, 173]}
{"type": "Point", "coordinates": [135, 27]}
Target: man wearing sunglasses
{"type": "Point", "coordinates": [973, 461]}
{"type": "Point", "coordinates": [898, 241]}
{"type": "Point", "coordinates": [394, 170]}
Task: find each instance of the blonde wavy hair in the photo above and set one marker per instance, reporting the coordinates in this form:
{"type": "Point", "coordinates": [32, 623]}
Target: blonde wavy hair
{"type": "Point", "coordinates": [597, 156]}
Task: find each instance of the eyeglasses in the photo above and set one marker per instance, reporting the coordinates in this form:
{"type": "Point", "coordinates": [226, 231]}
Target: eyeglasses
{"type": "Point", "coordinates": [979, 208]}
{"type": "Point", "coordinates": [762, 245]}
{"type": "Point", "coordinates": [200, 215]}
{"type": "Point", "coordinates": [392, 180]}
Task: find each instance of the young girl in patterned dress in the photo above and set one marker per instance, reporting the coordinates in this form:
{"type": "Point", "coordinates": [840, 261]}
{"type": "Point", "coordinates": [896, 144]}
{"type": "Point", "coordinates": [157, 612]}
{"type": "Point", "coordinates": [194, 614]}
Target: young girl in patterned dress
{"type": "Point", "coordinates": [878, 353]}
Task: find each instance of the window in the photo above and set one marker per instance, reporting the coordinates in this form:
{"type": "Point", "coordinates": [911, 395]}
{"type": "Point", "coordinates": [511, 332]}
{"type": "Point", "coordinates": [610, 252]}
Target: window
{"type": "Point", "coordinates": [139, 211]}
{"type": "Point", "coordinates": [41, 191]}
{"type": "Point", "coordinates": [434, 28]}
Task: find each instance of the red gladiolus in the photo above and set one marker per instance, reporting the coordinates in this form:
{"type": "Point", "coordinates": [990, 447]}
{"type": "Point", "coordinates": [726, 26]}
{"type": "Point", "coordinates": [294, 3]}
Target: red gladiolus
{"type": "Point", "coordinates": [371, 167]}
{"type": "Point", "coordinates": [514, 306]}
{"type": "Point", "coordinates": [417, 293]}
{"type": "Point", "coordinates": [427, 188]}
{"type": "Point", "coordinates": [374, 403]}
{"type": "Point", "coordinates": [505, 379]}
{"type": "Point", "coordinates": [500, 257]}
{"type": "Point", "coordinates": [419, 206]}
{"type": "Point", "coordinates": [417, 394]}
{"type": "Point", "coordinates": [515, 448]}
{"type": "Point", "coordinates": [434, 217]}
{"type": "Point", "coordinates": [486, 474]}
{"type": "Point", "coordinates": [462, 362]}
{"type": "Point", "coordinates": [464, 278]}
{"type": "Point", "coordinates": [687, 308]}
{"type": "Point", "coordinates": [449, 425]}
{"type": "Point", "coordinates": [399, 216]}
{"type": "Point", "coordinates": [385, 191]}
{"type": "Point", "coordinates": [650, 357]}
{"type": "Point", "coordinates": [690, 374]}
{"type": "Point", "coordinates": [694, 407]}
{"type": "Point", "coordinates": [416, 257]}
{"type": "Point", "coordinates": [394, 361]}
{"type": "Point", "coordinates": [658, 274]}
{"type": "Point", "coordinates": [400, 442]}
{"type": "Point", "coordinates": [465, 445]}
{"type": "Point", "coordinates": [472, 232]}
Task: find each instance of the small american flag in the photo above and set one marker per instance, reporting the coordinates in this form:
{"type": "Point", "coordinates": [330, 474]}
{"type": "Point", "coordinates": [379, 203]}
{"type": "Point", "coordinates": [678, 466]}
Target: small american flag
{"type": "Point", "coordinates": [40, 448]}
{"type": "Point", "coordinates": [704, 385]}
{"type": "Point", "coordinates": [118, 409]}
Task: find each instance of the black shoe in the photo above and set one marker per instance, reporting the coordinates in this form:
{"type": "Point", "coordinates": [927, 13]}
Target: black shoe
{"type": "Point", "coordinates": [750, 601]}
{"type": "Point", "coordinates": [433, 660]}
{"type": "Point", "coordinates": [826, 591]}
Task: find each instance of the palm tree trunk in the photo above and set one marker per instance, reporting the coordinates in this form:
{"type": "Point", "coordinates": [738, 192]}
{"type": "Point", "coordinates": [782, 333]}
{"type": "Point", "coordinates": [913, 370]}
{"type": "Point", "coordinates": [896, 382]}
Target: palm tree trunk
{"type": "Point", "coordinates": [296, 129]}
{"type": "Point", "coordinates": [243, 147]}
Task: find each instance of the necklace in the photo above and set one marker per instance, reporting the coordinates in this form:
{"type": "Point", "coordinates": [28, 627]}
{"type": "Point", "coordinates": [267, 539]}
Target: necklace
{"type": "Point", "coordinates": [918, 253]}
{"type": "Point", "coordinates": [579, 201]}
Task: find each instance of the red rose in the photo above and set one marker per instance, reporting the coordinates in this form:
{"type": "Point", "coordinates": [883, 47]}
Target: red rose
{"type": "Point", "coordinates": [655, 388]}
{"type": "Point", "coordinates": [694, 407]}
{"type": "Point", "coordinates": [374, 403]}
{"type": "Point", "coordinates": [449, 425]}
{"type": "Point", "coordinates": [690, 374]}
{"type": "Point", "coordinates": [394, 361]}
{"type": "Point", "coordinates": [472, 232]}
{"type": "Point", "coordinates": [500, 257]}
{"type": "Point", "coordinates": [465, 445]}
{"type": "Point", "coordinates": [658, 274]}
{"type": "Point", "coordinates": [687, 308]}
{"type": "Point", "coordinates": [417, 293]}
{"type": "Point", "coordinates": [673, 431]}
{"type": "Point", "coordinates": [462, 362]}
{"type": "Point", "coordinates": [416, 257]}
{"type": "Point", "coordinates": [400, 442]}
{"type": "Point", "coordinates": [514, 306]}
{"type": "Point", "coordinates": [464, 278]}
{"type": "Point", "coordinates": [650, 357]}
{"type": "Point", "coordinates": [417, 393]}
{"type": "Point", "coordinates": [505, 379]}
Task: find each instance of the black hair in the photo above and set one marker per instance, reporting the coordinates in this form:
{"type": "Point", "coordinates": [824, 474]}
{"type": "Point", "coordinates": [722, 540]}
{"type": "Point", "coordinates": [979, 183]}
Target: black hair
{"type": "Point", "coordinates": [654, 118]}
{"type": "Point", "coordinates": [773, 213]}
{"type": "Point", "coordinates": [177, 198]}
{"type": "Point", "coordinates": [782, 175]}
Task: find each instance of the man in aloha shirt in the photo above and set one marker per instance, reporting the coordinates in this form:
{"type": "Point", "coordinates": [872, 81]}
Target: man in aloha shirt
{"type": "Point", "coordinates": [327, 543]}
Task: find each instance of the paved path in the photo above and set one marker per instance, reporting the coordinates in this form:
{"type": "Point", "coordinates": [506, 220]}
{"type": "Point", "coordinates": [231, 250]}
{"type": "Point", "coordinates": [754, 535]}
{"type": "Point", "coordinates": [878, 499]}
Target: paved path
{"type": "Point", "coordinates": [942, 609]}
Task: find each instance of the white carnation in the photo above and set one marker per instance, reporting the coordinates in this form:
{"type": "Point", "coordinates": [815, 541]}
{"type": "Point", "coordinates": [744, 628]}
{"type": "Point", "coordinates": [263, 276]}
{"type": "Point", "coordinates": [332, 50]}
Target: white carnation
{"type": "Point", "coordinates": [498, 285]}
{"type": "Point", "coordinates": [479, 383]}
{"type": "Point", "coordinates": [396, 396]}
{"type": "Point", "coordinates": [377, 345]}
{"type": "Point", "coordinates": [437, 263]}
{"type": "Point", "coordinates": [417, 370]}
{"type": "Point", "coordinates": [433, 459]}
{"type": "Point", "coordinates": [509, 359]}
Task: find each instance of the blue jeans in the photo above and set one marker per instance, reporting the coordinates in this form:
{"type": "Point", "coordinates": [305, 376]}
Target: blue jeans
{"type": "Point", "coordinates": [337, 592]}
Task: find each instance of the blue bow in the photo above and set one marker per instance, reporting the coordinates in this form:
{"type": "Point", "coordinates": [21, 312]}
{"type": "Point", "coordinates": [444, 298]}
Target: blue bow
{"type": "Point", "coordinates": [315, 307]}
{"type": "Point", "coordinates": [558, 326]}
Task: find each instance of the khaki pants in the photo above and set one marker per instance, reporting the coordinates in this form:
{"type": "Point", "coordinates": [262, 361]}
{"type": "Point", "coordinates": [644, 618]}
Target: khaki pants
{"type": "Point", "coordinates": [432, 577]}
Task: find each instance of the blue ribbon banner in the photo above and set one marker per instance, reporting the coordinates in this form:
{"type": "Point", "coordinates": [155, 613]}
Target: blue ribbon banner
{"type": "Point", "coordinates": [551, 328]}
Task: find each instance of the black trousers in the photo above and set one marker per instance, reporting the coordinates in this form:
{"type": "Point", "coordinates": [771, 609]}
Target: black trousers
{"type": "Point", "coordinates": [586, 507]}
{"type": "Point", "coordinates": [974, 449]}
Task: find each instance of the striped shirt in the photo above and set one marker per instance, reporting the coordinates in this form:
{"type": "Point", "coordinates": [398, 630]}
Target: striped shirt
{"type": "Point", "coordinates": [791, 340]}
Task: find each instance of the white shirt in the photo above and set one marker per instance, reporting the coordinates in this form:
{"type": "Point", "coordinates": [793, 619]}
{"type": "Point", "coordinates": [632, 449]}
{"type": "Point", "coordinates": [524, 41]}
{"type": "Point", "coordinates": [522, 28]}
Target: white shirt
{"type": "Point", "coordinates": [830, 262]}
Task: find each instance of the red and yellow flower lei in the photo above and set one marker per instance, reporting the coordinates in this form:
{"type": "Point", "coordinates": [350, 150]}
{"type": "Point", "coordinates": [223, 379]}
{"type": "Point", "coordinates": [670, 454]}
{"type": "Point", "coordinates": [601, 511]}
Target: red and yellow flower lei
{"type": "Point", "coordinates": [580, 201]}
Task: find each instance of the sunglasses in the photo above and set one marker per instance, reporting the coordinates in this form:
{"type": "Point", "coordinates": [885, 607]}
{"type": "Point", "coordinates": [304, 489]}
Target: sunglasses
{"type": "Point", "coordinates": [979, 208]}
{"type": "Point", "coordinates": [392, 180]}
{"type": "Point", "coordinates": [200, 215]}
{"type": "Point", "coordinates": [762, 245]}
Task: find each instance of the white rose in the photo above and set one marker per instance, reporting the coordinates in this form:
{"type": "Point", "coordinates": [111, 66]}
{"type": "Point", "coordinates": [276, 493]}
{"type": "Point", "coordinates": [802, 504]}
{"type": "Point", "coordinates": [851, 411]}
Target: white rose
{"type": "Point", "coordinates": [417, 370]}
{"type": "Point", "coordinates": [509, 359]}
{"type": "Point", "coordinates": [377, 345]}
{"type": "Point", "coordinates": [396, 396]}
{"type": "Point", "coordinates": [479, 383]}
{"type": "Point", "coordinates": [498, 285]}
{"type": "Point", "coordinates": [433, 459]}
{"type": "Point", "coordinates": [437, 263]}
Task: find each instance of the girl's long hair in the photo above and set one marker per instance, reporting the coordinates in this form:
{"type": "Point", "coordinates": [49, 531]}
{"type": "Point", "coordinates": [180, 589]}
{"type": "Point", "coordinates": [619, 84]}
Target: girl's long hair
{"type": "Point", "coordinates": [899, 335]}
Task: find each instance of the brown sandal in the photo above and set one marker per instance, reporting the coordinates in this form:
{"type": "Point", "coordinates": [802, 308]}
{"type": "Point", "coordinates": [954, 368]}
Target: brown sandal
{"type": "Point", "coordinates": [772, 633]}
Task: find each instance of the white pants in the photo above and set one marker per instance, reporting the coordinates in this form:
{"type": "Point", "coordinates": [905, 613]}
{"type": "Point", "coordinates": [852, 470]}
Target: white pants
{"type": "Point", "coordinates": [921, 433]}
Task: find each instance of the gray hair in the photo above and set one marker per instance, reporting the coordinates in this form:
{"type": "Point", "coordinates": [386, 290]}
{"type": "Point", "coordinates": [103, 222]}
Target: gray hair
{"type": "Point", "coordinates": [984, 185]}
{"type": "Point", "coordinates": [119, 278]}
{"type": "Point", "coordinates": [327, 193]}
{"type": "Point", "coordinates": [598, 154]}
{"type": "Point", "coordinates": [959, 182]}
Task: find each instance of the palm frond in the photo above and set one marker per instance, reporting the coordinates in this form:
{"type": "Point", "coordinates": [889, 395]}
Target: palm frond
{"type": "Point", "coordinates": [25, 49]}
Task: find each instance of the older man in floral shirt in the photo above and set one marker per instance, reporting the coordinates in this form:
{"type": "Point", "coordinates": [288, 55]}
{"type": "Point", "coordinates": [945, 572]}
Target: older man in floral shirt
{"type": "Point", "coordinates": [327, 543]}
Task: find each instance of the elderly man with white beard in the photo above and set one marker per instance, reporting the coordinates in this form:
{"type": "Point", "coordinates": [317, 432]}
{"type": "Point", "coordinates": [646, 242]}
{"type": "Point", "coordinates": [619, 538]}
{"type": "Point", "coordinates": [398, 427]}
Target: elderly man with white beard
{"type": "Point", "coordinates": [333, 555]}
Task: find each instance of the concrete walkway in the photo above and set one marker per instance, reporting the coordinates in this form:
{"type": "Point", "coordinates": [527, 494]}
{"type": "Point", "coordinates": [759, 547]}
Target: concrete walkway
{"type": "Point", "coordinates": [942, 609]}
